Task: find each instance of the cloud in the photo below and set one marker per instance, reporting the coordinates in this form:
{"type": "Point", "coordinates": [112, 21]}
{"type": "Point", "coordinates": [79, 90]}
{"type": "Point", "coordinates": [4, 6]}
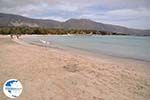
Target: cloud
{"type": "Point", "coordinates": [127, 12]}
{"type": "Point", "coordinates": [134, 18]}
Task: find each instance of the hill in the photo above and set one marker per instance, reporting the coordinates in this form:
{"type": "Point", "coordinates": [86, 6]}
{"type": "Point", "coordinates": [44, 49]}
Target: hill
{"type": "Point", "coordinates": [8, 20]}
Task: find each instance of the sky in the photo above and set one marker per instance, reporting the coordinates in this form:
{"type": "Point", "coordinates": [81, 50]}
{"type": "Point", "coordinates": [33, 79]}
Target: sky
{"type": "Point", "coordinates": [129, 13]}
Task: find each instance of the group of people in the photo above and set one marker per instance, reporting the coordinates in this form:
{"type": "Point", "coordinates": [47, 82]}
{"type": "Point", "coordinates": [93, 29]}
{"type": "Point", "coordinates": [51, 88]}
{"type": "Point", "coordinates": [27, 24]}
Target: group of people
{"type": "Point", "coordinates": [17, 36]}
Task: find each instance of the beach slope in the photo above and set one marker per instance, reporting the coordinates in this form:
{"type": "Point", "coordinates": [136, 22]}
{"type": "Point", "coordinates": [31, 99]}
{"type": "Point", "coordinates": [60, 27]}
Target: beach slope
{"type": "Point", "coordinates": [53, 74]}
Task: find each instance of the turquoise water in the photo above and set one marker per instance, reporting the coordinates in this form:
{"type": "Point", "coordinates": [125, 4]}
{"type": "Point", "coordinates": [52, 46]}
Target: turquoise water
{"type": "Point", "coordinates": [119, 46]}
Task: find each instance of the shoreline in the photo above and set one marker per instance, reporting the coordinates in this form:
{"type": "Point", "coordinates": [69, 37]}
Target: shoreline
{"type": "Point", "coordinates": [91, 56]}
{"type": "Point", "coordinates": [64, 75]}
{"type": "Point", "coordinates": [85, 52]}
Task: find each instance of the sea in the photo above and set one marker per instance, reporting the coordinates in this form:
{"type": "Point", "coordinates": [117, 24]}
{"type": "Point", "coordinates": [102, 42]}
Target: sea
{"type": "Point", "coordinates": [129, 47]}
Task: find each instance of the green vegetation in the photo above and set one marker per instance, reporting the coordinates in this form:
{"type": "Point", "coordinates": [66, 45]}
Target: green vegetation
{"type": "Point", "coordinates": [53, 31]}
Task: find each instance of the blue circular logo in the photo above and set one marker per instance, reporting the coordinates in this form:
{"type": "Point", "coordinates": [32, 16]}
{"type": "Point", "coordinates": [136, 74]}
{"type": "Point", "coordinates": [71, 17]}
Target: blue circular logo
{"type": "Point", "coordinates": [12, 88]}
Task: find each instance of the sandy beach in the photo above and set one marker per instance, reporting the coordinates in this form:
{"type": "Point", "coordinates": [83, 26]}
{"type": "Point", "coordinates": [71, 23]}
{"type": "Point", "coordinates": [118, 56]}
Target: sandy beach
{"type": "Point", "coordinates": [53, 74]}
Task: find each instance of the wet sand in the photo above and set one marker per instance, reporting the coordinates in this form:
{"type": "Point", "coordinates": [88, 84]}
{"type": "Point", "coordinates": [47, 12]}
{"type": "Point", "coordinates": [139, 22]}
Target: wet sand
{"type": "Point", "coordinates": [54, 74]}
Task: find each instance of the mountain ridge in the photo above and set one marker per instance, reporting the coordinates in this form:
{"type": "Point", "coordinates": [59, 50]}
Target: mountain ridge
{"type": "Point", "coordinates": [7, 20]}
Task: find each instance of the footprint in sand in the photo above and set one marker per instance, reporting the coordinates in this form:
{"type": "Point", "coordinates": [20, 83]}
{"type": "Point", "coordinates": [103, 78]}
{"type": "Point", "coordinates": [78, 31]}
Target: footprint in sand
{"type": "Point", "coordinates": [71, 68]}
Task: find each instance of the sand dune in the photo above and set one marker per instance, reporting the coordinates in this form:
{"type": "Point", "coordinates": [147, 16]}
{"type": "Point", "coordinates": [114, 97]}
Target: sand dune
{"type": "Point", "coordinates": [52, 74]}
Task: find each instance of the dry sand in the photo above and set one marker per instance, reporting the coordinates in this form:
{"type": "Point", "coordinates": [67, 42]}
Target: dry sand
{"type": "Point", "coordinates": [53, 74]}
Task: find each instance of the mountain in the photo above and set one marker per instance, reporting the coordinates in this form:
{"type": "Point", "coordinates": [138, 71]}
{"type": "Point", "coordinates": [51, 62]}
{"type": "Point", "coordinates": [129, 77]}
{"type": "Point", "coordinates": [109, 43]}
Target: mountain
{"type": "Point", "coordinates": [7, 20]}
{"type": "Point", "coordinates": [89, 24]}
{"type": "Point", "coordinates": [17, 20]}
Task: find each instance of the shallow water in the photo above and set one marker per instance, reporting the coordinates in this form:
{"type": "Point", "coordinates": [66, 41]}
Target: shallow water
{"type": "Point", "coordinates": [133, 47]}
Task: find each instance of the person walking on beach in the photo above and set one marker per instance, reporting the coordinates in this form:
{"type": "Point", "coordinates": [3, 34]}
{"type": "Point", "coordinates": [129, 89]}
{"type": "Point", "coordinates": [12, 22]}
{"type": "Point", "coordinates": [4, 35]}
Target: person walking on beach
{"type": "Point", "coordinates": [11, 36]}
{"type": "Point", "coordinates": [17, 36]}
